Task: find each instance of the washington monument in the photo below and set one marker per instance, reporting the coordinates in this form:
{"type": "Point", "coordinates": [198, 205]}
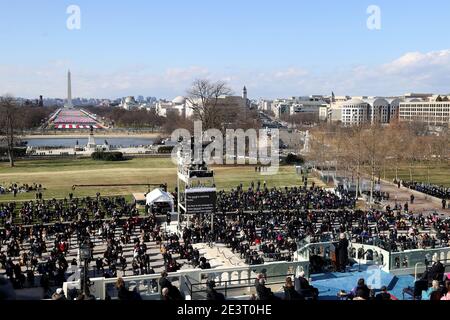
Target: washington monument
{"type": "Point", "coordinates": [69, 91]}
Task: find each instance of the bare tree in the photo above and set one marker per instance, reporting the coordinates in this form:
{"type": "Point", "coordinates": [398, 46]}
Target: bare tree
{"type": "Point", "coordinates": [373, 152]}
{"type": "Point", "coordinates": [353, 152]}
{"type": "Point", "coordinates": [396, 139]}
{"type": "Point", "coordinates": [441, 146]}
{"type": "Point", "coordinates": [321, 152]}
{"type": "Point", "coordinates": [9, 125]}
{"type": "Point", "coordinates": [203, 98]}
{"type": "Point", "coordinates": [338, 143]}
{"type": "Point", "coordinates": [299, 119]}
{"type": "Point", "coordinates": [175, 121]}
{"type": "Point", "coordinates": [411, 152]}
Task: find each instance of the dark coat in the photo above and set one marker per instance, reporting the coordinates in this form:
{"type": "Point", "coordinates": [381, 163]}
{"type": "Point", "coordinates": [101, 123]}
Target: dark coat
{"type": "Point", "coordinates": [124, 294]}
{"type": "Point", "coordinates": [383, 296]}
{"type": "Point", "coordinates": [304, 284]}
{"type": "Point", "coordinates": [175, 294]}
{"type": "Point", "coordinates": [342, 252]}
{"type": "Point", "coordinates": [291, 294]}
{"type": "Point", "coordinates": [213, 295]}
{"type": "Point", "coordinates": [437, 271]}
{"type": "Point", "coordinates": [164, 283]}
{"type": "Point", "coordinates": [264, 293]}
{"type": "Point", "coordinates": [362, 292]}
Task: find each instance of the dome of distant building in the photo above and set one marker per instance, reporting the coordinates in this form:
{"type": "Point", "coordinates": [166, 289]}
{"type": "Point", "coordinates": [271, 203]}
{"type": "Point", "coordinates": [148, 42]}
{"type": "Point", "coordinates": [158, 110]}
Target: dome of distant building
{"type": "Point", "coordinates": [179, 100]}
{"type": "Point", "coordinates": [353, 102]}
{"type": "Point", "coordinates": [130, 99]}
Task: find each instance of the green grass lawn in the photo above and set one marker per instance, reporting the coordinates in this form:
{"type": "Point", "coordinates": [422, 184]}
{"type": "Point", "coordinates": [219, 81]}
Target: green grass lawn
{"type": "Point", "coordinates": [58, 176]}
{"type": "Point", "coordinates": [438, 174]}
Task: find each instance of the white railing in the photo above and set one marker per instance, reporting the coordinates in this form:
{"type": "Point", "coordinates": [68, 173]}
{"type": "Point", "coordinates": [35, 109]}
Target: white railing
{"type": "Point", "coordinates": [247, 274]}
{"type": "Point", "coordinates": [148, 285]}
{"type": "Point", "coordinates": [322, 249]}
{"type": "Point", "coordinates": [413, 261]}
{"type": "Point", "coordinates": [370, 255]}
{"type": "Point", "coordinates": [406, 262]}
{"type": "Point", "coordinates": [399, 263]}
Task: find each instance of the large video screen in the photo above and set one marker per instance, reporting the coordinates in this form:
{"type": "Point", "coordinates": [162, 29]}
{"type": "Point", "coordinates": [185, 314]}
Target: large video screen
{"type": "Point", "coordinates": [200, 200]}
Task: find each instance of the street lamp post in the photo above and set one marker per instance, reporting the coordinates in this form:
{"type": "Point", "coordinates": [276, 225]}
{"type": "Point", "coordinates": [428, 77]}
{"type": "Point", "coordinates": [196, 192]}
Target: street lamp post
{"type": "Point", "coordinates": [85, 256]}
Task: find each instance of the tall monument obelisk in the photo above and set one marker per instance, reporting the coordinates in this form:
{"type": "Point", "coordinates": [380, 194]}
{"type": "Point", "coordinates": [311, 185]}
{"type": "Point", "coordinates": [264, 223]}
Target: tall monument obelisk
{"type": "Point", "coordinates": [69, 91]}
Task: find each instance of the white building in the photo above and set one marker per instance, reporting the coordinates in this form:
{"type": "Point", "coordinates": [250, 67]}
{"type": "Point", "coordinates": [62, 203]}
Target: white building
{"type": "Point", "coordinates": [129, 103]}
{"type": "Point", "coordinates": [280, 107]}
{"type": "Point", "coordinates": [308, 105]}
{"type": "Point", "coordinates": [359, 110]}
{"type": "Point", "coordinates": [435, 111]}
{"type": "Point", "coordinates": [342, 98]}
{"type": "Point", "coordinates": [223, 102]}
{"type": "Point", "coordinates": [178, 105]}
{"type": "Point", "coordinates": [350, 113]}
{"type": "Point", "coordinates": [394, 105]}
{"type": "Point", "coordinates": [420, 96]}
{"type": "Point", "coordinates": [378, 110]}
{"type": "Point", "coordinates": [184, 106]}
{"type": "Point", "coordinates": [265, 105]}
{"type": "Point", "coordinates": [295, 105]}
{"type": "Point", "coordinates": [323, 113]}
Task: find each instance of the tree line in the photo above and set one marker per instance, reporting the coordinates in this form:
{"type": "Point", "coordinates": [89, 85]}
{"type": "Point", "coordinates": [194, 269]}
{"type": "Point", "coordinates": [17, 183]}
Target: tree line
{"type": "Point", "coordinates": [204, 98]}
{"type": "Point", "coordinates": [121, 118]}
{"type": "Point", "coordinates": [15, 119]}
{"type": "Point", "coordinates": [371, 149]}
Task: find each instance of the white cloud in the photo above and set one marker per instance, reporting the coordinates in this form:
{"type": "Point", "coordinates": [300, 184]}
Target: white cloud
{"type": "Point", "coordinates": [417, 63]}
{"type": "Point", "coordinates": [175, 74]}
{"type": "Point", "coordinates": [414, 71]}
{"type": "Point", "coordinates": [290, 73]}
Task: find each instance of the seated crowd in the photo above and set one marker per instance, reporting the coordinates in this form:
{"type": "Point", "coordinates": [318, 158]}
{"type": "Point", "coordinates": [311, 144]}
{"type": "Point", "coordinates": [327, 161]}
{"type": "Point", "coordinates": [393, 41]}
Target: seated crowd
{"type": "Point", "coordinates": [15, 188]}
{"type": "Point", "coordinates": [259, 197]}
{"type": "Point", "coordinates": [264, 226]}
{"type": "Point", "coordinates": [38, 239]}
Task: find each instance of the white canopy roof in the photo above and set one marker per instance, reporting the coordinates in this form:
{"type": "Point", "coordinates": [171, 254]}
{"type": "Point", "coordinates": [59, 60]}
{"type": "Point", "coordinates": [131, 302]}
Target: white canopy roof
{"type": "Point", "coordinates": [158, 195]}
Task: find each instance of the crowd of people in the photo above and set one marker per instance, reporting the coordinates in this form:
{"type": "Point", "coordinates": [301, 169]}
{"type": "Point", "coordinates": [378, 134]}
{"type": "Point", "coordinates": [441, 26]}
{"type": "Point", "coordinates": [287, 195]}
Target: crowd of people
{"type": "Point", "coordinates": [440, 192]}
{"type": "Point", "coordinates": [434, 284]}
{"type": "Point", "coordinates": [64, 210]}
{"type": "Point", "coordinates": [278, 219]}
{"type": "Point", "coordinates": [39, 240]}
{"type": "Point", "coordinates": [437, 290]}
{"type": "Point", "coordinates": [267, 225]}
{"type": "Point", "coordinates": [259, 197]}
{"type": "Point", "coordinates": [15, 188]}
{"type": "Point", "coordinates": [363, 292]}
{"type": "Point", "coordinates": [259, 224]}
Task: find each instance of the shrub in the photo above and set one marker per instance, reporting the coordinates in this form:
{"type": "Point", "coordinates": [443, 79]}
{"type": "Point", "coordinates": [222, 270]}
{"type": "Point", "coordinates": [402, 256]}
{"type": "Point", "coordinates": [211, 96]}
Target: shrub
{"type": "Point", "coordinates": [165, 149]}
{"type": "Point", "coordinates": [107, 156]}
{"type": "Point", "coordinates": [294, 159]}
{"type": "Point", "coordinates": [17, 152]}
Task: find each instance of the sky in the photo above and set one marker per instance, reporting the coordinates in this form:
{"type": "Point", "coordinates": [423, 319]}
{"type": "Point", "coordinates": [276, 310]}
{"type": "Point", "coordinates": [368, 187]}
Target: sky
{"type": "Point", "coordinates": [277, 48]}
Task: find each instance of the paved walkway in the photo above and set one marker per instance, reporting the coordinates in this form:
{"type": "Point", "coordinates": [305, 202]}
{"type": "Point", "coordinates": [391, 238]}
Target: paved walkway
{"type": "Point", "coordinates": [219, 256]}
{"type": "Point", "coordinates": [422, 202]}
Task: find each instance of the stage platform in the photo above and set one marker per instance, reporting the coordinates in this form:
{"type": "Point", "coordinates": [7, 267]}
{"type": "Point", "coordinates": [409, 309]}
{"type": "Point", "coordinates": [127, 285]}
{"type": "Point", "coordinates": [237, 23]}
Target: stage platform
{"type": "Point", "coordinates": [330, 284]}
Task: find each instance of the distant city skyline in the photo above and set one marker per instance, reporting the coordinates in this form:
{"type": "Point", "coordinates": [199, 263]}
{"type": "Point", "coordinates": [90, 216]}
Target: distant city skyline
{"type": "Point", "coordinates": [276, 49]}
